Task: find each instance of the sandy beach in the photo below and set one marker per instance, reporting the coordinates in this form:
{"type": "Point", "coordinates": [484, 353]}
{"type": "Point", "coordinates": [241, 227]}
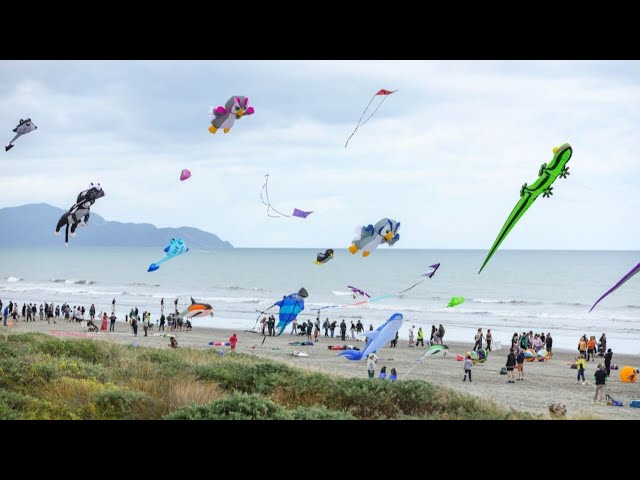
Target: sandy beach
{"type": "Point", "coordinates": [545, 382]}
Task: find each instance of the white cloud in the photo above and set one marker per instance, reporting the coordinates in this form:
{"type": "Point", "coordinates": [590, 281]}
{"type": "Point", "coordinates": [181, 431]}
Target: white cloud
{"type": "Point", "coordinates": [446, 155]}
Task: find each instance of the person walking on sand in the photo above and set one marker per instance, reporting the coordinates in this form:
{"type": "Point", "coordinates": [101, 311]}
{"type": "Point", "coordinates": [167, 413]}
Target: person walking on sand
{"type": "Point", "coordinates": [162, 320]}
{"type": "Point", "coordinates": [440, 334]}
{"type": "Point", "coordinates": [325, 327]}
{"type": "Point", "coordinates": [520, 363]}
{"type": "Point", "coordinates": [411, 337]}
{"type": "Point", "coordinates": [333, 328]}
{"type": "Point", "coordinates": [489, 339]}
{"type": "Point", "coordinates": [580, 364]}
{"type": "Point", "coordinates": [591, 349]}
{"type": "Point", "coordinates": [549, 342]}
{"type": "Point", "coordinates": [371, 365]}
{"type": "Point", "coordinates": [478, 338]}
{"type": "Point", "coordinates": [233, 340]}
{"type": "Point", "coordinates": [112, 325]}
{"type": "Point", "coordinates": [352, 330]}
{"type": "Point", "coordinates": [511, 363]}
{"type": "Point", "coordinates": [434, 332]}
{"type": "Point", "coordinates": [607, 361]}
{"type": "Point", "coordinates": [420, 337]}
{"type": "Point", "coordinates": [467, 368]}
{"type": "Point", "coordinates": [601, 379]}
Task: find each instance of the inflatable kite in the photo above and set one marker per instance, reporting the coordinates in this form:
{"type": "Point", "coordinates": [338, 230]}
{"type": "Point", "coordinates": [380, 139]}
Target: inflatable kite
{"type": "Point", "coordinates": [264, 196]}
{"type": "Point", "coordinates": [176, 247]}
{"type": "Point", "coordinates": [290, 307]}
{"type": "Point", "coordinates": [370, 237]}
{"type": "Point", "coordinates": [628, 374]}
{"type": "Point", "coordinates": [455, 301]}
{"type": "Point", "coordinates": [433, 350]}
{"type": "Point", "coordinates": [477, 356]}
{"type": "Point", "coordinates": [24, 127]}
{"type": "Point", "coordinates": [528, 194]}
{"type": "Point", "coordinates": [78, 214]}
{"type": "Point", "coordinates": [185, 174]}
{"type": "Point", "coordinates": [380, 93]}
{"type": "Point", "coordinates": [377, 338]}
{"type": "Point", "coordinates": [197, 310]}
{"type": "Point", "coordinates": [621, 282]}
{"type": "Point", "coordinates": [323, 257]}
{"type": "Point", "coordinates": [224, 117]}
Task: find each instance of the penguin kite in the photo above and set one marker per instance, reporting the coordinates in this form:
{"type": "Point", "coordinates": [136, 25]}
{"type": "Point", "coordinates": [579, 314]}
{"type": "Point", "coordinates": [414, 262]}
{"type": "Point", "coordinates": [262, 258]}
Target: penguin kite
{"type": "Point", "coordinates": [323, 257]}
{"type": "Point", "coordinates": [370, 237]}
{"type": "Point", "coordinates": [24, 127]}
{"type": "Point", "coordinates": [224, 117]}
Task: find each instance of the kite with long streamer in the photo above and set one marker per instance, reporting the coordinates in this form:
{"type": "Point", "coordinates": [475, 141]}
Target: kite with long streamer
{"type": "Point", "coordinates": [384, 94]}
{"type": "Point", "coordinates": [621, 282]}
{"type": "Point", "coordinates": [528, 194]}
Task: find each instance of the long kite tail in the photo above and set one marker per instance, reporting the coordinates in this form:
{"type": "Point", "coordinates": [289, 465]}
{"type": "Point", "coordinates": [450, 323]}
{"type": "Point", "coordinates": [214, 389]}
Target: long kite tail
{"type": "Point", "coordinates": [621, 282]}
{"type": "Point", "coordinates": [360, 122]}
{"type": "Point", "coordinates": [66, 234]}
{"type": "Point", "coordinates": [264, 193]}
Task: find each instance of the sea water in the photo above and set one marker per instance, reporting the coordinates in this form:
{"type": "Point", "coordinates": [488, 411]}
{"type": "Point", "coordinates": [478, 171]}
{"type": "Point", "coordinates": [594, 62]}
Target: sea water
{"type": "Point", "coordinates": [519, 290]}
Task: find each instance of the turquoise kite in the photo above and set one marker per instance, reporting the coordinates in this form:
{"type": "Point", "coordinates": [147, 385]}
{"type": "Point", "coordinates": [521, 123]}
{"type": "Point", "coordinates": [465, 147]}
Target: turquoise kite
{"type": "Point", "coordinates": [455, 301]}
{"type": "Point", "coordinates": [528, 194]}
{"type": "Point", "coordinates": [290, 307]}
{"type": "Point", "coordinates": [176, 247]}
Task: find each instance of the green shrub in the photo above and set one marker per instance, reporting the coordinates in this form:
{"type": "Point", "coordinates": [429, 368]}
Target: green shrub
{"type": "Point", "coordinates": [118, 404]}
{"type": "Point", "coordinates": [235, 407]}
{"type": "Point", "coordinates": [319, 413]}
{"type": "Point", "coordinates": [84, 349]}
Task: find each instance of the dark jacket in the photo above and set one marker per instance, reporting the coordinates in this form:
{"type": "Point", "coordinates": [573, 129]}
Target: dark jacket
{"type": "Point", "coordinates": [607, 358]}
{"type": "Point", "coordinates": [601, 376]}
{"type": "Point", "coordinates": [511, 360]}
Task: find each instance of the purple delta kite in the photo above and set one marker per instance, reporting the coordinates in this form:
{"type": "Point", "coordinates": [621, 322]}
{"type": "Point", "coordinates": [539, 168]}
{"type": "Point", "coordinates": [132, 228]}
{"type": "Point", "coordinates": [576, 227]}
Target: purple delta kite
{"type": "Point", "coordinates": [630, 274]}
{"type": "Point", "coordinates": [432, 270]}
{"type": "Point", "coordinates": [301, 213]}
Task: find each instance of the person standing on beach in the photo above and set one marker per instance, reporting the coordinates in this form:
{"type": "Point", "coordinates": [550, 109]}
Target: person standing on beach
{"type": "Point", "coordinates": [112, 324]}
{"type": "Point", "coordinates": [145, 323]}
{"type": "Point", "coordinates": [371, 365]}
{"type": "Point", "coordinates": [549, 343]}
{"type": "Point", "coordinates": [394, 342]}
{"type": "Point", "coordinates": [103, 326]}
{"type": "Point", "coordinates": [478, 338]}
{"type": "Point", "coordinates": [601, 379]}
{"type": "Point", "coordinates": [352, 330]}
{"type": "Point", "coordinates": [580, 365]}
{"type": "Point", "coordinates": [602, 347]}
{"type": "Point", "coordinates": [233, 340]}
{"type": "Point", "coordinates": [333, 328]}
{"type": "Point", "coordinates": [5, 314]}
{"type": "Point", "coordinates": [520, 363]}
{"type": "Point", "coordinates": [511, 363]}
{"type": "Point", "coordinates": [440, 334]}
{"type": "Point", "coordinates": [582, 346]}
{"type": "Point", "coordinates": [411, 337]}
{"type": "Point", "coordinates": [591, 349]}
{"type": "Point", "coordinates": [434, 331]}
{"type": "Point", "coordinates": [325, 327]}
{"type": "Point", "coordinates": [467, 368]}
{"type": "Point", "coordinates": [394, 375]}
{"type": "Point", "coordinates": [162, 319]}
{"type": "Point", "coordinates": [420, 339]}
{"type": "Point", "coordinates": [489, 339]}
{"type": "Point", "coordinates": [607, 361]}
{"type": "Point", "coordinates": [92, 312]}
{"type": "Point", "coordinates": [343, 330]}
{"type": "Point", "coordinates": [134, 325]}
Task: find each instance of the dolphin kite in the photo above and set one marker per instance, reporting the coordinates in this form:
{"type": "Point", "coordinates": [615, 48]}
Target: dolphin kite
{"type": "Point", "coordinates": [528, 194]}
{"type": "Point", "coordinates": [176, 247]}
{"type": "Point", "coordinates": [377, 339]}
{"type": "Point", "coordinates": [197, 310]}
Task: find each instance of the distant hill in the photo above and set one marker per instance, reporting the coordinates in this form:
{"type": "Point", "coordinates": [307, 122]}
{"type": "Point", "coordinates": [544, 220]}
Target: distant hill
{"type": "Point", "coordinates": [33, 225]}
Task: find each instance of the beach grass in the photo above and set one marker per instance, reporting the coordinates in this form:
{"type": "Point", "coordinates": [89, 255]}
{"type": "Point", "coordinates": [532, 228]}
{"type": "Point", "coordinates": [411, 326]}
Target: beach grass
{"type": "Point", "coordinates": [42, 377]}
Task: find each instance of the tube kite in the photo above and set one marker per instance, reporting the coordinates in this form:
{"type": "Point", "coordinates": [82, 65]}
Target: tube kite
{"type": "Point", "coordinates": [78, 214]}
{"type": "Point", "coordinates": [185, 174]}
{"type": "Point", "coordinates": [370, 237]}
{"type": "Point", "coordinates": [24, 127]}
{"type": "Point", "coordinates": [377, 338]}
{"type": "Point", "coordinates": [176, 247]}
{"type": "Point", "coordinates": [621, 282]}
{"type": "Point", "coordinates": [197, 309]}
{"type": "Point", "coordinates": [380, 93]}
{"type": "Point", "coordinates": [323, 257]}
{"type": "Point", "coordinates": [224, 117]}
{"type": "Point", "coordinates": [455, 301]}
{"type": "Point", "coordinates": [528, 194]}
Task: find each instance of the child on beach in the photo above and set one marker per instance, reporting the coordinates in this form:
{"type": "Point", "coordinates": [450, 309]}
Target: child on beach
{"type": "Point", "coordinates": [383, 373]}
{"type": "Point", "coordinates": [394, 376]}
{"type": "Point", "coordinates": [467, 368]}
{"type": "Point", "coordinates": [173, 343]}
{"type": "Point", "coordinates": [411, 343]}
{"type": "Point", "coordinates": [511, 363]}
{"type": "Point", "coordinates": [233, 340]}
{"type": "Point", "coordinates": [580, 365]}
{"type": "Point", "coordinates": [520, 363]}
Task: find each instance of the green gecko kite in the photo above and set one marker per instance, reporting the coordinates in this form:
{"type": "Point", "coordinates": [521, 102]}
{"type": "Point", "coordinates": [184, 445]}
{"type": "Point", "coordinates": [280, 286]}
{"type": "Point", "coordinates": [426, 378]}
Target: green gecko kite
{"type": "Point", "coordinates": [528, 194]}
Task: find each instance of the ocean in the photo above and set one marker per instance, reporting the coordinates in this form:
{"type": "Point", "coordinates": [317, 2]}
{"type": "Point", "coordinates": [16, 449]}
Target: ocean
{"type": "Point", "coordinates": [518, 291]}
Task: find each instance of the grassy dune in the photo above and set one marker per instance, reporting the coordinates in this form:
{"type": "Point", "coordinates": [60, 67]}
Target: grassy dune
{"type": "Point", "coordinates": [42, 377]}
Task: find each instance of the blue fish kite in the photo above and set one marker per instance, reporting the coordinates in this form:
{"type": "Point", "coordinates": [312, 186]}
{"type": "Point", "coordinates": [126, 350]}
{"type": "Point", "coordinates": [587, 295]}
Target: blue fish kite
{"type": "Point", "coordinates": [377, 339]}
{"type": "Point", "coordinates": [176, 247]}
{"type": "Point", "coordinates": [290, 307]}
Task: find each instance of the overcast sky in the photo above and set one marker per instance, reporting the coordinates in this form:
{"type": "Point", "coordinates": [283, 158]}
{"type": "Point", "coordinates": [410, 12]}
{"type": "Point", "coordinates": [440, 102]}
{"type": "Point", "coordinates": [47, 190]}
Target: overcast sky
{"type": "Point", "coordinates": [446, 155]}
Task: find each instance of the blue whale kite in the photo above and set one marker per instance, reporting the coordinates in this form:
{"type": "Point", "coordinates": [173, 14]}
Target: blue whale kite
{"type": "Point", "coordinates": [377, 339]}
{"type": "Point", "coordinates": [176, 247]}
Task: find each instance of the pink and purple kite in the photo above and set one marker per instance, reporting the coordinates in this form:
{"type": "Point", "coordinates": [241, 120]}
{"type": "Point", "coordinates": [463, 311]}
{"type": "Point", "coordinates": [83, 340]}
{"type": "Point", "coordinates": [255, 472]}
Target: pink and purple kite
{"type": "Point", "coordinates": [184, 175]}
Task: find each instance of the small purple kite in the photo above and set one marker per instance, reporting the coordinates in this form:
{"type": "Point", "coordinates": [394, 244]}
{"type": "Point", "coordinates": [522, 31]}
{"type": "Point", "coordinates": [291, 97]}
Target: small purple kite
{"type": "Point", "coordinates": [631, 273]}
{"type": "Point", "coordinates": [300, 213]}
{"type": "Point", "coordinates": [432, 272]}
{"type": "Point", "coordinates": [184, 175]}
{"type": "Point", "coordinates": [357, 290]}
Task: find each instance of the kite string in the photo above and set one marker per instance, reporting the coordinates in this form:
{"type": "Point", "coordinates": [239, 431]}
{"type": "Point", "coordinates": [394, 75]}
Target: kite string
{"type": "Point", "coordinates": [374, 112]}
{"type": "Point", "coordinates": [359, 121]}
{"type": "Point", "coordinates": [268, 202]}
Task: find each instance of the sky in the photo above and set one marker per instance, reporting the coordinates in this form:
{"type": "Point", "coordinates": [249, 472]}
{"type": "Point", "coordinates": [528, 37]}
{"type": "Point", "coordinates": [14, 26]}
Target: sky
{"type": "Point", "coordinates": [445, 155]}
